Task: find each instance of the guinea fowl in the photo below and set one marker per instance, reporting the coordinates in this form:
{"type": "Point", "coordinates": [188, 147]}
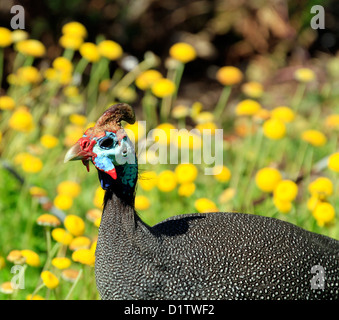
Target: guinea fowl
{"type": "Point", "coordinates": [194, 256]}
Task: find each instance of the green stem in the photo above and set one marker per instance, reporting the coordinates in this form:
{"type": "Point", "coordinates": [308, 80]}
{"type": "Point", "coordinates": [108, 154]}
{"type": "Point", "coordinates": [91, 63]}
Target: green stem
{"type": "Point", "coordinates": [37, 289]}
{"type": "Point", "coordinates": [28, 61]}
{"type": "Point", "coordinates": [149, 109]}
{"type": "Point", "coordinates": [220, 107]}
{"type": "Point", "coordinates": [300, 159]}
{"type": "Point", "coordinates": [299, 94]}
{"type": "Point", "coordinates": [81, 66]}
{"type": "Point", "coordinates": [174, 75]}
{"type": "Point", "coordinates": [68, 54]}
{"type": "Point", "coordinates": [74, 285]}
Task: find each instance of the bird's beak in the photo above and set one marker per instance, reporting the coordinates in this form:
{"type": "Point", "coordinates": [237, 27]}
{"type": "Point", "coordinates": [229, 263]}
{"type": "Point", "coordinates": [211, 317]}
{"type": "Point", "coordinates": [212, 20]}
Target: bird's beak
{"type": "Point", "coordinates": [74, 153]}
{"type": "Point", "coordinates": [77, 153]}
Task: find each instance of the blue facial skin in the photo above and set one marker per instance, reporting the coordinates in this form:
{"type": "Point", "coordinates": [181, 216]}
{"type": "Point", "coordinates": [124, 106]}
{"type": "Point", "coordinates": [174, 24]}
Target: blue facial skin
{"type": "Point", "coordinates": [114, 156]}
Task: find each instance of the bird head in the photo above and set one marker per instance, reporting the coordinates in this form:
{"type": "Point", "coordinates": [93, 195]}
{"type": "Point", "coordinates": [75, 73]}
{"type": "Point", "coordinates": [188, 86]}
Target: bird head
{"type": "Point", "coordinates": [106, 144]}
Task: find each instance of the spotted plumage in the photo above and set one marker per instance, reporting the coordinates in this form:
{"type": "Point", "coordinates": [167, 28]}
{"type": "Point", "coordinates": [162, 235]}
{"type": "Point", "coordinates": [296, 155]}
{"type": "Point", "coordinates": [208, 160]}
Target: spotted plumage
{"type": "Point", "coordinates": [206, 256]}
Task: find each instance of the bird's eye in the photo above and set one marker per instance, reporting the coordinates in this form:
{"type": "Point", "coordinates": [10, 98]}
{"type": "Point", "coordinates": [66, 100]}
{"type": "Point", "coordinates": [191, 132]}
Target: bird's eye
{"type": "Point", "coordinates": [106, 143]}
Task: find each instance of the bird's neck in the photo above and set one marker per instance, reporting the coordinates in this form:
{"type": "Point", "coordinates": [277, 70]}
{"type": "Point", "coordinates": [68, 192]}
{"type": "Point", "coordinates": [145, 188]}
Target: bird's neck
{"type": "Point", "coordinates": [120, 196]}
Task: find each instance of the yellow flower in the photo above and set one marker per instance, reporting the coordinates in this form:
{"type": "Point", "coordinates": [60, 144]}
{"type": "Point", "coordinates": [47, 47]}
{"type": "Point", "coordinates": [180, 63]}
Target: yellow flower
{"type": "Point", "coordinates": [2, 262]}
{"type": "Point", "coordinates": [142, 203]}
{"type": "Point", "coordinates": [51, 74]}
{"type": "Point", "coordinates": [48, 220]}
{"type": "Point", "coordinates": [19, 35]}
{"type": "Point", "coordinates": [20, 157]}
{"type": "Point", "coordinates": [267, 179]}
{"type": "Point", "coordinates": [221, 173]}
{"type": "Point", "coordinates": [185, 172]}
{"type": "Point", "coordinates": [78, 119]}
{"type": "Point", "coordinates": [312, 202]}
{"type": "Point", "coordinates": [16, 257]}
{"type": "Point", "coordinates": [84, 256]}
{"type": "Point", "coordinates": [104, 85]}
{"type": "Point", "coordinates": [186, 189]}
{"type": "Point", "coordinates": [203, 205]}
{"type": "Point", "coordinates": [166, 181]}
{"type": "Point", "coordinates": [63, 202]}
{"type": "Point", "coordinates": [93, 214]}
{"type": "Point", "coordinates": [314, 137]}
{"type": "Point", "coordinates": [75, 29]}
{"type": "Point", "coordinates": [80, 243]}
{"type": "Point", "coordinates": [69, 275]}
{"type": "Point", "coordinates": [196, 110]}
{"type": "Point", "coordinates": [163, 87]}
{"type": "Point", "coordinates": [180, 111]}
{"type": "Point", "coordinates": [90, 51]}
{"type": "Point", "coordinates": [281, 205]}
{"type": "Point", "coordinates": [99, 197]}
{"type": "Point", "coordinates": [146, 79]}
{"type": "Point", "coordinates": [182, 52]}
{"type": "Point", "coordinates": [32, 258]}
{"type": "Point", "coordinates": [5, 37]}
{"type": "Point", "coordinates": [31, 164]}
{"type": "Point", "coordinates": [324, 213]}
{"type": "Point", "coordinates": [6, 287]}
{"type": "Point", "coordinates": [75, 225]}
{"type": "Point", "coordinates": [62, 236]}
{"type": "Point", "coordinates": [69, 188]}
{"type": "Point", "coordinates": [204, 117]}
{"type": "Point", "coordinates": [73, 135]}
{"type": "Point", "coordinates": [162, 133]}
{"type": "Point", "coordinates": [283, 113]}
{"type": "Point", "coordinates": [28, 74]}
{"type": "Point", "coordinates": [94, 246]}
{"type": "Point", "coordinates": [286, 190]}
{"type": "Point", "coordinates": [69, 41]}
{"type": "Point", "coordinates": [229, 76]}
{"type": "Point", "coordinates": [31, 47]}
{"type": "Point", "coordinates": [262, 114]}
{"type": "Point", "coordinates": [110, 49]}
{"type": "Point", "coordinates": [332, 121]}
{"type": "Point", "coordinates": [188, 140]}
{"type": "Point", "coordinates": [37, 192]}
{"type": "Point", "coordinates": [227, 195]}
{"type": "Point", "coordinates": [321, 187]}
{"type": "Point", "coordinates": [252, 89]}
{"type": "Point", "coordinates": [208, 127]}
{"type": "Point", "coordinates": [333, 162]}
{"type": "Point", "coordinates": [49, 279]}
{"type": "Point", "coordinates": [148, 180]}
{"type": "Point", "coordinates": [7, 103]}
{"type": "Point", "coordinates": [274, 129]}
{"type": "Point", "coordinates": [49, 141]}
{"type": "Point", "coordinates": [304, 75]}
{"type": "Point", "coordinates": [97, 222]}
{"type": "Point", "coordinates": [135, 131]}
{"type": "Point", "coordinates": [247, 107]}
{"type": "Point", "coordinates": [21, 120]}
{"type": "Point", "coordinates": [62, 64]}
{"type": "Point", "coordinates": [35, 297]}
{"type": "Point", "coordinates": [126, 94]}
{"type": "Point", "coordinates": [71, 91]}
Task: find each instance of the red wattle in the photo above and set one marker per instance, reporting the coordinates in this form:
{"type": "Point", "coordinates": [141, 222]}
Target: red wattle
{"type": "Point", "coordinates": [112, 173]}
